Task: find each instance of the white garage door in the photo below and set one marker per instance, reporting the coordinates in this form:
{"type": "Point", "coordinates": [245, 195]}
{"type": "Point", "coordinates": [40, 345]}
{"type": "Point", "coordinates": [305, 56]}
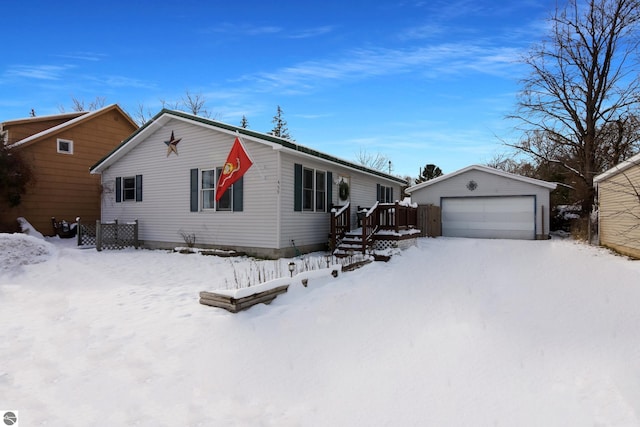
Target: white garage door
{"type": "Point", "coordinates": [489, 217]}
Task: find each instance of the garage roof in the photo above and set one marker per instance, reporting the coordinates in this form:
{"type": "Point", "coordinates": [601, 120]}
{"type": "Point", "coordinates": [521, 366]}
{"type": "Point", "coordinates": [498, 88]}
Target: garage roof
{"type": "Point", "coordinates": [621, 167]}
{"type": "Point", "coordinates": [487, 169]}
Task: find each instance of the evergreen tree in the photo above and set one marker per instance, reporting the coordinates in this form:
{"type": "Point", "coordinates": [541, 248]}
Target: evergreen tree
{"type": "Point", "coordinates": [244, 123]}
{"type": "Point", "coordinates": [428, 172]}
{"type": "Point", "coordinates": [15, 174]}
{"type": "Point", "coordinates": [280, 126]}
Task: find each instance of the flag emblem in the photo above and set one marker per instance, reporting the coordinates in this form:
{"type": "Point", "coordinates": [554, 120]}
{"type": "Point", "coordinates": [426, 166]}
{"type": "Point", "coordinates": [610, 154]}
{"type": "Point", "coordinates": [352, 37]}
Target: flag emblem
{"type": "Point", "coordinates": [238, 162]}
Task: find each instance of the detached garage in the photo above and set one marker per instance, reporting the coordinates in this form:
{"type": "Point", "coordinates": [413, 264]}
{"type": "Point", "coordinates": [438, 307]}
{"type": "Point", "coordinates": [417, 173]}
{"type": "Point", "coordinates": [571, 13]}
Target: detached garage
{"type": "Point", "coordinates": [482, 202]}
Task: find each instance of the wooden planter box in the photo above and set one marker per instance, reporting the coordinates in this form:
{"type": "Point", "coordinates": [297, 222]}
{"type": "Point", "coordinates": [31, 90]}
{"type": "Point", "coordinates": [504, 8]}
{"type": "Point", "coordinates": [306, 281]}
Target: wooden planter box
{"type": "Point", "coordinates": [235, 305]}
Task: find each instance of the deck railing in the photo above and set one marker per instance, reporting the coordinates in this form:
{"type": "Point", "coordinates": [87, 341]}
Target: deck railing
{"type": "Point", "coordinates": [396, 217]}
{"type": "Point", "coordinates": [381, 216]}
{"type": "Point", "coordinates": [340, 224]}
{"type": "Point", "coordinates": [370, 224]}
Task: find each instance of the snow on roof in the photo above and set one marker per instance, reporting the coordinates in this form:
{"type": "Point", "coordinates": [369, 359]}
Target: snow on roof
{"type": "Point", "coordinates": [42, 118]}
{"type": "Point", "coordinates": [277, 143]}
{"type": "Point", "coordinates": [487, 169]}
{"type": "Point", "coordinates": [84, 116]}
{"type": "Point", "coordinates": [620, 167]}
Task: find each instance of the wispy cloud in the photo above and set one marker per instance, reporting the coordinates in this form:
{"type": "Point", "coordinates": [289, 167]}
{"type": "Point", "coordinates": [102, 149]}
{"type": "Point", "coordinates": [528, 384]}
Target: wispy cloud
{"type": "Point", "coordinates": [38, 72]}
{"type": "Point", "coordinates": [425, 31]}
{"type": "Point", "coordinates": [123, 81]}
{"type": "Point", "coordinates": [242, 29]}
{"type": "Point", "coordinates": [233, 29]}
{"type": "Point", "coordinates": [310, 32]}
{"type": "Point", "coordinates": [83, 56]}
{"type": "Point", "coordinates": [314, 116]}
{"type": "Point", "coordinates": [431, 61]}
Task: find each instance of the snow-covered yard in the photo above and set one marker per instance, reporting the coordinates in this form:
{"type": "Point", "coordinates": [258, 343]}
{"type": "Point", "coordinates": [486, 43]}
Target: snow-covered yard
{"type": "Point", "coordinates": [453, 332]}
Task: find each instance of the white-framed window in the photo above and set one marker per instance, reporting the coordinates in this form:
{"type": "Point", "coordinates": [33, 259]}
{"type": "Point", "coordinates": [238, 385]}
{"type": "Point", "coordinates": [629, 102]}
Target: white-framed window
{"type": "Point", "coordinates": [128, 188]}
{"type": "Point", "coordinates": [203, 192]}
{"type": "Point", "coordinates": [307, 189]}
{"type": "Point", "coordinates": [321, 191]}
{"type": "Point", "coordinates": [385, 194]}
{"type": "Point", "coordinates": [312, 189]}
{"type": "Point", "coordinates": [64, 146]}
{"type": "Point", "coordinates": [226, 200]}
{"type": "Point", "coordinates": [208, 188]}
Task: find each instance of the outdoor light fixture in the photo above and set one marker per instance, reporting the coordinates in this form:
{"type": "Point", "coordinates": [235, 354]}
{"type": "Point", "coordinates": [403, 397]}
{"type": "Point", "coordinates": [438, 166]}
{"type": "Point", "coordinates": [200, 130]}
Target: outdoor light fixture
{"type": "Point", "coordinates": [292, 266]}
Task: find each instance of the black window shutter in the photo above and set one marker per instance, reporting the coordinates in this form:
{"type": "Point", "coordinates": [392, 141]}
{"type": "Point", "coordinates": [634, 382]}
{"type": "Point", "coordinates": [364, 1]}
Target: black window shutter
{"type": "Point", "coordinates": [238, 189]}
{"type": "Point", "coordinates": [392, 199]}
{"type": "Point", "coordinates": [378, 191]}
{"type": "Point", "coordinates": [297, 188]}
{"type": "Point", "coordinates": [118, 189]}
{"type": "Point", "coordinates": [329, 189]}
{"type": "Point", "coordinates": [138, 188]}
{"type": "Point", "coordinates": [194, 190]}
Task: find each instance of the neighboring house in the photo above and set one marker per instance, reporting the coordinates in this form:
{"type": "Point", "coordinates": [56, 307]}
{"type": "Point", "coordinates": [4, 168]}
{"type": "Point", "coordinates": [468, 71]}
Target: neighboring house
{"type": "Point", "coordinates": [483, 202]}
{"type": "Point", "coordinates": [619, 207]}
{"type": "Point", "coordinates": [165, 175]}
{"type": "Point", "coordinates": [60, 149]}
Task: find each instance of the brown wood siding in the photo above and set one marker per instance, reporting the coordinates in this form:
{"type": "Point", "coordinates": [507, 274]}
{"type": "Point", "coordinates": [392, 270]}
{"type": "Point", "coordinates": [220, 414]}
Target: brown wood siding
{"type": "Point", "coordinates": [63, 187]}
{"type": "Point", "coordinates": [620, 212]}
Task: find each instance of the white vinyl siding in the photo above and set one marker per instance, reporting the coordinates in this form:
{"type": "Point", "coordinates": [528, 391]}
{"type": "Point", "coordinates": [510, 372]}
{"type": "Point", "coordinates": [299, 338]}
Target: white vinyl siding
{"type": "Point", "coordinates": [267, 221]}
{"type": "Point", "coordinates": [312, 228]}
{"type": "Point", "coordinates": [487, 185]}
{"type": "Point", "coordinates": [166, 208]}
{"type": "Point", "coordinates": [619, 211]}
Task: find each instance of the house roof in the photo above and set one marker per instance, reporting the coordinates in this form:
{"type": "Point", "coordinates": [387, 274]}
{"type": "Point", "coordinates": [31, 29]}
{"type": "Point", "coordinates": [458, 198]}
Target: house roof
{"type": "Point", "coordinates": [620, 167]}
{"type": "Point", "coordinates": [277, 143]}
{"type": "Point", "coordinates": [33, 119]}
{"type": "Point", "coordinates": [81, 118]}
{"type": "Point", "coordinates": [487, 169]}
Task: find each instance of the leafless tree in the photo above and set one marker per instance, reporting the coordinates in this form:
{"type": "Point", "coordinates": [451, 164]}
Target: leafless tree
{"type": "Point", "coordinates": [142, 116]}
{"type": "Point", "coordinates": [377, 161]}
{"type": "Point", "coordinates": [79, 104]}
{"type": "Point", "coordinates": [194, 103]}
{"type": "Point", "coordinates": [580, 97]}
{"type": "Point", "coordinates": [170, 105]}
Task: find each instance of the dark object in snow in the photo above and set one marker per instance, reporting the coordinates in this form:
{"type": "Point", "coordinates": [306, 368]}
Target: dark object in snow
{"type": "Point", "coordinates": [356, 265]}
{"type": "Point", "coordinates": [63, 229]}
{"type": "Point", "coordinates": [235, 305]}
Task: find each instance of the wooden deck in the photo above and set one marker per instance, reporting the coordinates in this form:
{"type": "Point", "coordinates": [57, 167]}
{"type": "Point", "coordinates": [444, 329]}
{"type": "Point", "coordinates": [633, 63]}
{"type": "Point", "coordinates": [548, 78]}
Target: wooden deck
{"type": "Point", "coordinates": [382, 221]}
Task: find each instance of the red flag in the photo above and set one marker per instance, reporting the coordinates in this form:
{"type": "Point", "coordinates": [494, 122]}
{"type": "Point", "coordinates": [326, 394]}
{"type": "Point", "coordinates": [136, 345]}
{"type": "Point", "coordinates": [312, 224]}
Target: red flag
{"type": "Point", "coordinates": [238, 162]}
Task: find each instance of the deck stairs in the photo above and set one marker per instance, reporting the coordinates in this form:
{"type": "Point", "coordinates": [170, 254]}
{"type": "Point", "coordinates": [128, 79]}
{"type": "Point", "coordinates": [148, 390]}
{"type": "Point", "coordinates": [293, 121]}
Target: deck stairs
{"type": "Point", "coordinates": [352, 243]}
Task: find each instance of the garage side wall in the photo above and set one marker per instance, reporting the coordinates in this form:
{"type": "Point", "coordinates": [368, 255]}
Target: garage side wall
{"type": "Point", "coordinates": [475, 183]}
{"type": "Point", "coordinates": [620, 212]}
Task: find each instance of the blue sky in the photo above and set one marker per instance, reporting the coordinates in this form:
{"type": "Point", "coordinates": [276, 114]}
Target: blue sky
{"type": "Point", "coordinates": [416, 81]}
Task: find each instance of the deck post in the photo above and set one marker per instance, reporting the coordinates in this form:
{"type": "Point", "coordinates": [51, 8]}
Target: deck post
{"type": "Point", "coordinates": [98, 235]}
{"type": "Point", "coordinates": [135, 235]}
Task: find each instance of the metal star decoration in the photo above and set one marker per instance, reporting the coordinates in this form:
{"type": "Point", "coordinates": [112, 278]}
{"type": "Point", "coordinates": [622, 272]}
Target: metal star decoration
{"type": "Point", "coordinates": [172, 145]}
